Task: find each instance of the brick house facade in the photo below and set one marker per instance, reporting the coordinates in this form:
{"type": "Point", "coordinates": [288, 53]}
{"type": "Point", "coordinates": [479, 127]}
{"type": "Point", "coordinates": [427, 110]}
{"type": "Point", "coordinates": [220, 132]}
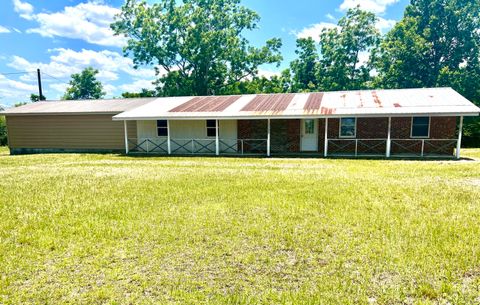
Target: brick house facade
{"type": "Point", "coordinates": [286, 135]}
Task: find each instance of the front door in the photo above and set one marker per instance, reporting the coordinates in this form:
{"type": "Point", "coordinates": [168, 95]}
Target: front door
{"type": "Point", "coordinates": [309, 136]}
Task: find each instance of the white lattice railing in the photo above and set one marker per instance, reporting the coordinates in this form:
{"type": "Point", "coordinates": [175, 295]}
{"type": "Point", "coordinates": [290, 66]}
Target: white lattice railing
{"type": "Point", "coordinates": [344, 147]}
{"type": "Point", "coordinates": [398, 147]}
{"type": "Point", "coordinates": [197, 146]}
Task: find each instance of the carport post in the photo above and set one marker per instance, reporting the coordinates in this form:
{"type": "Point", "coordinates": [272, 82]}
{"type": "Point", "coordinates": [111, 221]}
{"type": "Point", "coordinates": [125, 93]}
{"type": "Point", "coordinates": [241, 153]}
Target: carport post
{"type": "Point", "coordinates": [459, 141]}
{"type": "Point", "coordinates": [389, 139]}
{"type": "Point", "coordinates": [126, 136]}
{"type": "Point", "coordinates": [325, 148]}
{"type": "Point", "coordinates": [217, 141]}
{"type": "Point", "coordinates": [169, 145]}
{"type": "Point", "coordinates": [268, 137]}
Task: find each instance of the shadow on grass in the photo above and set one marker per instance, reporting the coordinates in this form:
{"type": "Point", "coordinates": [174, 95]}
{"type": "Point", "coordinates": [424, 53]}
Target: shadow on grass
{"type": "Point", "coordinates": [299, 156]}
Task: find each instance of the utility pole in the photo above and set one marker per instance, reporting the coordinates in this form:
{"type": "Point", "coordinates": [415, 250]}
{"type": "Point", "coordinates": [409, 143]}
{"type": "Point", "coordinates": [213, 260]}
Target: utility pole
{"type": "Point", "coordinates": [40, 93]}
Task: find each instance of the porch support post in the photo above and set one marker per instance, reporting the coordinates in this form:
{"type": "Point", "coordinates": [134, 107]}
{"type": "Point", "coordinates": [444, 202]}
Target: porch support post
{"type": "Point", "coordinates": [389, 140]}
{"type": "Point", "coordinates": [268, 137]}
{"type": "Point", "coordinates": [125, 130]}
{"type": "Point", "coordinates": [217, 141]}
{"type": "Point", "coordinates": [169, 144]}
{"type": "Point", "coordinates": [325, 148]}
{"type": "Point", "coordinates": [459, 141]}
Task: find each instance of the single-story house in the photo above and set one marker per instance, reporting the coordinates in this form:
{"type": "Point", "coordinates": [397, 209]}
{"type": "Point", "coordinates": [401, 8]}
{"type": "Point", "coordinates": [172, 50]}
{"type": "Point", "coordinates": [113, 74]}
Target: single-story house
{"type": "Point", "coordinates": [406, 122]}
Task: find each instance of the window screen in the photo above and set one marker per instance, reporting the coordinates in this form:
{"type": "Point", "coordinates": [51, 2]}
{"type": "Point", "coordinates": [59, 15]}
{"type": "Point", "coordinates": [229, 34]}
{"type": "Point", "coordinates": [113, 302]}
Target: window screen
{"type": "Point", "coordinates": [420, 127]}
{"type": "Point", "coordinates": [162, 128]}
{"type": "Point", "coordinates": [348, 127]}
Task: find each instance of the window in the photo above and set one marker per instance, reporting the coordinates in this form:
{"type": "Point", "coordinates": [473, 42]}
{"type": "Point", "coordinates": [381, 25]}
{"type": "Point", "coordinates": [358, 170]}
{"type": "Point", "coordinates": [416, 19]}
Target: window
{"type": "Point", "coordinates": [309, 126]}
{"type": "Point", "coordinates": [211, 128]}
{"type": "Point", "coordinates": [162, 128]}
{"type": "Point", "coordinates": [420, 127]}
{"type": "Point", "coordinates": [348, 127]}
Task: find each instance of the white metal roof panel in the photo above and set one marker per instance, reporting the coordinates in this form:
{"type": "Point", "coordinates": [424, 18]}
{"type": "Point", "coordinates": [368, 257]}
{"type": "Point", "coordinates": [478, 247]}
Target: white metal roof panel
{"type": "Point", "coordinates": [394, 102]}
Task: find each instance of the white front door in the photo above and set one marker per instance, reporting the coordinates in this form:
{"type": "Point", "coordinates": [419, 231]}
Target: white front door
{"type": "Point", "coordinates": [309, 135]}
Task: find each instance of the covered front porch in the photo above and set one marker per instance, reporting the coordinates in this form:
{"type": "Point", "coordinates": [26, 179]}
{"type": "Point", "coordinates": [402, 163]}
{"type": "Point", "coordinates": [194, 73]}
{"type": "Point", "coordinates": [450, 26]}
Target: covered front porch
{"type": "Point", "coordinates": [317, 137]}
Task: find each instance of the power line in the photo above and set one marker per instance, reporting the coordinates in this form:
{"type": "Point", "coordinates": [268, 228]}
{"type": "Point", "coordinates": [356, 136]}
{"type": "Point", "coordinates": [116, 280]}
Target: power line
{"type": "Point", "coordinates": [60, 80]}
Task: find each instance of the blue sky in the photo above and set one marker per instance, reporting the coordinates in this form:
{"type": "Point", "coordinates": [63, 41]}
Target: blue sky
{"type": "Point", "coordinates": [63, 37]}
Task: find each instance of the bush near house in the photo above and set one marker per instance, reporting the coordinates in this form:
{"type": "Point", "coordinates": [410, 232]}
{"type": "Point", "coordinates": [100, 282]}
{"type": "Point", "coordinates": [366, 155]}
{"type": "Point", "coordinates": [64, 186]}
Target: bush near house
{"type": "Point", "coordinates": [91, 229]}
{"type": "Point", "coordinates": [3, 131]}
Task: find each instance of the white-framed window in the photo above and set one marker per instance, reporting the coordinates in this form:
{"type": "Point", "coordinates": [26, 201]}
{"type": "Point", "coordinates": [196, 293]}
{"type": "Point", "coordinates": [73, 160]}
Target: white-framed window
{"type": "Point", "coordinates": [348, 127]}
{"type": "Point", "coordinates": [211, 126]}
{"type": "Point", "coordinates": [162, 128]}
{"type": "Point", "coordinates": [420, 127]}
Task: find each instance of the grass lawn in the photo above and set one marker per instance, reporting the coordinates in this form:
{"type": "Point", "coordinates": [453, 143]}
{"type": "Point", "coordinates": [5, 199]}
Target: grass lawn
{"type": "Point", "coordinates": [88, 229]}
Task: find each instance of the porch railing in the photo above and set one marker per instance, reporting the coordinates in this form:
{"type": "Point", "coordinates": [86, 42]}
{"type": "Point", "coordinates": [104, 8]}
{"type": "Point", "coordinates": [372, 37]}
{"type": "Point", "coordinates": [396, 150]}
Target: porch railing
{"type": "Point", "coordinates": [398, 147]}
{"type": "Point", "coordinates": [336, 147]}
{"type": "Point", "coordinates": [356, 147]}
{"type": "Point", "coordinates": [198, 146]}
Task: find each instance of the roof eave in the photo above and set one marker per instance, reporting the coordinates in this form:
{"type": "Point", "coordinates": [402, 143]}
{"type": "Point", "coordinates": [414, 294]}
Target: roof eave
{"type": "Point", "coordinates": [264, 117]}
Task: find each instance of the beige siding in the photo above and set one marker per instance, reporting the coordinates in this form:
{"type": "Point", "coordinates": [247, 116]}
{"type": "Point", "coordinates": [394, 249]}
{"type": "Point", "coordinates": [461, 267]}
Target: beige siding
{"type": "Point", "coordinates": [187, 129]}
{"type": "Point", "coordinates": [93, 131]}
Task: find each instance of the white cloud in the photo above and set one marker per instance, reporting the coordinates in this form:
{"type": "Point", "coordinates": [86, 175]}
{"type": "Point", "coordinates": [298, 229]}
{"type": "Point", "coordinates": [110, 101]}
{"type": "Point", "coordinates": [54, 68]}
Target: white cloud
{"type": "Point", "coordinates": [267, 73]}
{"type": "Point", "coordinates": [17, 30]}
{"type": "Point", "coordinates": [59, 87]}
{"type": "Point", "coordinates": [315, 30]}
{"type": "Point", "coordinates": [14, 90]}
{"type": "Point", "coordinates": [64, 62]}
{"type": "Point", "coordinates": [4, 29]}
{"type": "Point", "coordinates": [138, 85]}
{"type": "Point", "coordinates": [88, 21]}
{"type": "Point", "coordinates": [25, 9]}
{"type": "Point", "coordinates": [330, 17]}
{"type": "Point", "coordinates": [383, 25]}
{"type": "Point", "coordinates": [375, 6]}
{"type": "Point", "coordinates": [363, 58]}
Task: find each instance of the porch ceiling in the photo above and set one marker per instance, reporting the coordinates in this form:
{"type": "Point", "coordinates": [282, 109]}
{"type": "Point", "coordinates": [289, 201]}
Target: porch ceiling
{"type": "Point", "coordinates": [435, 101]}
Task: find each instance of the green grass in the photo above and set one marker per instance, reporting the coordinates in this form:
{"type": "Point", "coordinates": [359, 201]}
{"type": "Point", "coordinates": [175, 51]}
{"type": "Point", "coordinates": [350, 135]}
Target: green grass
{"type": "Point", "coordinates": [92, 229]}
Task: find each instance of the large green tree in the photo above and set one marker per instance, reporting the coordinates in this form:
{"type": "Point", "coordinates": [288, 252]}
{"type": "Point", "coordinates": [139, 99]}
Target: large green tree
{"type": "Point", "coordinates": [84, 86]}
{"type": "Point", "coordinates": [304, 68]}
{"type": "Point", "coordinates": [434, 39]}
{"type": "Point", "coordinates": [342, 48]}
{"type": "Point", "coordinates": [200, 44]}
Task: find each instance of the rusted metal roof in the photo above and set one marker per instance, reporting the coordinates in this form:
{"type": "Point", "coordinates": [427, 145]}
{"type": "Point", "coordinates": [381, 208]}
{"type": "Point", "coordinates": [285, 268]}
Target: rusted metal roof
{"type": "Point", "coordinates": [314, 102]}
{"type": "Point", "coordinates": [402, 102]}
{"type": "Point", "coordinates": [113, 106]}
{"type": "Point", "coordinates": [269, 103]}
{"type": "Point", "coordinates": [206, 104]}
{"type": "Point", "coordinates": [364, 103]}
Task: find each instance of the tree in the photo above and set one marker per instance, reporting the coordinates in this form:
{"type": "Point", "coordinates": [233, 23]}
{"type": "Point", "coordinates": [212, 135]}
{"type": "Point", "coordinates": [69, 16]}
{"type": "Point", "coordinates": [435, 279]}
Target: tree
{"type": "Point", "coordinates": [143, 93]}
{"type": "Point", "coordinates": [84, 86]}
{"type": "Point", "coordinates": [3, 130]}
{"type": "Point", "coordinates": [35, 98]}
{"type": "Point", "coordinates": [434, 37]}
{"type": "Point", "coordinates": [342, 49]}
{"type": "Point", "coordinates": [275, 84]}
{"type": "Point", "coordinates": [20, 104]}
{"type": "Point", "coordinates": [199, 43]}
{"type": "Point", "coordinates": [304, 68]}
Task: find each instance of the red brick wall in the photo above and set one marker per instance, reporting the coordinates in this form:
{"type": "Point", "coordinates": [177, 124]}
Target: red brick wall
{"type": "Point", "coordinates": [367, 128]}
